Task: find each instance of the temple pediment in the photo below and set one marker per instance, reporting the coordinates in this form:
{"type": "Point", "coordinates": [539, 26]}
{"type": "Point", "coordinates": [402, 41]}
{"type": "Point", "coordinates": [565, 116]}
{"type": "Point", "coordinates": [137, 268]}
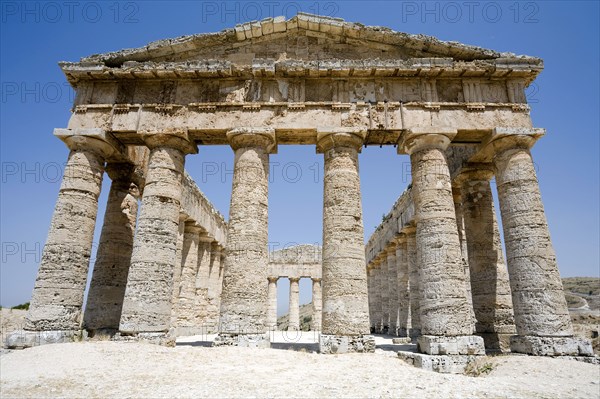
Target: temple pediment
{"type": "Point", "coordinates": [305, 45]}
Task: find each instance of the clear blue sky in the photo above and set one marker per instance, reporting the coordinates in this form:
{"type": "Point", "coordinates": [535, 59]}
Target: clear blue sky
{"type": "Point", "coordinates": [35, 99]}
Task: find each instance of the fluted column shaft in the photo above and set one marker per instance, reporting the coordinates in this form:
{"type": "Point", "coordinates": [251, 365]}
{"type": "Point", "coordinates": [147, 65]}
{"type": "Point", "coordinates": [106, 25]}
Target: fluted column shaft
{"type": "Point", "coordinates": [272, 303]}
{"type": "Point", "coordinates": [187, 293]}
{"type": "Point", "coordinates": [148, 297]}
{"type": "Point", "coordinates": [109, 278]}
{"type": "Point", "coordinates": [244, 296]}
{"type": "Point", "coordinates": [317, 300]}
{"type": "Point", "coordinates": [294, 313]}
{"type": "Point", "coordinates": [392, 277]}
{"type": "Point", "coordinates": [345, 301]}
{"type": "Point", "coordinates": [539, 302]}
{"type": "Point", "coordinates": [444, 307]}
{"type": "Point", "coordinates": [490, 287]}
{"type": "Point", "coordinates": [57, 297]}
{"type": "Point", "coordinates": [414, 283]}
{"type": "Point", "coordinates": [403, 292]}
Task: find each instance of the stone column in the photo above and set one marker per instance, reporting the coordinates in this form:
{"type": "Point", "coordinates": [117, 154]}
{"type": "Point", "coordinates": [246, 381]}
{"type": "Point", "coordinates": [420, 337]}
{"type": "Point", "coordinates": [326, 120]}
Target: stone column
{"type": "Point", "coordinates": [414, 284]}
{"type": "Point", "coordinates": [109, 278]}
{"type": "Point", "coordinates": [177, 270]}
{"type": "Point", "coordinates": [541, 314]}
{"type": "Point", "coordinates": [185, 306]}
{"type": "Point", "coordinates": [377, 306]}
{"type": "Point", "coordinates": [392, 277]}
{"type": "Point", "coordinates": [201, 305]}
{"type": "Point", "coordinates": [317, 300]}
{"type": "Point", "coordinates": [214, 287]}
{"type": "Point", "coordinates": [370, 291]}
{"type": "Point", "coordinates": [403, 293]}
{"type": "Point", "coordinates": [272, 303]}
{"type": "Point", "coordinates": [294, 313]}
{"type": "Point", "coordinates": [148, 297]}
{"type": "Point", "coordinates": [384, 286]}
{"type": "Point", "coordinates": [244, 298]}
{"type": "Point", "coordinates": [57, 297]}
{"type": "Point", "coordinates": [445, 312]}
{"type": "Point", "coordinates": [345, 306]}
{"type": "Point", "coordinates": [460, 224]}
{"type": "Point", "coordinates": [490, 287]}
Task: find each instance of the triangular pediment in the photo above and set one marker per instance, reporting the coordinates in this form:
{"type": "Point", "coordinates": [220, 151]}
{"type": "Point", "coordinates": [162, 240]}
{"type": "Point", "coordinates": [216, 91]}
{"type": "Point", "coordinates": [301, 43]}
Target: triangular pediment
{"type": "Point", "coordinates": [304, 37]}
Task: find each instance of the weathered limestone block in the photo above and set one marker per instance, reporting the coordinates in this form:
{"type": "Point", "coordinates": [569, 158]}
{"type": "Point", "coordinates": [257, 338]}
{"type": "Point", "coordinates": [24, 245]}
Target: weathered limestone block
{"type": "Point", "coordinates": [317, 300]}
{"type": "Point", "coordinates": [148, 297]}
{"type": "Point", "coordinates": [272, 303]}
{"type": "Point", "coordinates": [446, 364]}
{"type": "Point", "coordinates": [294, 314]}
{"type": "Point", "coordinates": [244, 297]}
{"type": "Point", "coordinates": [444, 308]}
{"type": "Point", "coordinates": [337, 344]}
{"type": "Point", "coordinates": [490, 287]}
{"type": "Point", "coordinates": [414, 282]}
{"type": "Point", "coordinates": [392, 277]}
{"type": "Point", "coordinates": [456, 345]}
{"type": "Point", "coordinates": [345, 299]}
{"type": "Point", "coordinates": [403, 292]}
{"type": "Point", "coordinates": [109, 279]}
{"type": "Point", "coordinates": [539, 303]}
{"type": "Point", "coordinates": [58, 293]}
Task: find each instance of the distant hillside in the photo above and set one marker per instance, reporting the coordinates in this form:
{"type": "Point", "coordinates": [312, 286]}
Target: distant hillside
{"type": "Point", "coordinates": [306, 314]}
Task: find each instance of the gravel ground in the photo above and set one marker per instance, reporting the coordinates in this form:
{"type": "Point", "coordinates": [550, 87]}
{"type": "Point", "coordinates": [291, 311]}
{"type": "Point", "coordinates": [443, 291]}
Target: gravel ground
{"type": "Point", "coordinates": [121, 369]}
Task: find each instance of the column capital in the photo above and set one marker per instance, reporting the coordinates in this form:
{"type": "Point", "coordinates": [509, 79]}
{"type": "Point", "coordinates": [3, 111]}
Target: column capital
{"type": "Point", "coordinates": [420, 138]}
{"type": "Point", "coordinates": [192, 227]}
{"type": "Point", "coordinates": [170, 138]}
{"type": "Point", "coordinates": [94, 139]}
{"type": "Point", "coordinates": [474, 172]}
{"type": "Point", "coordinates": [120, 171]}
{"type": "Point", "coordinates": [242, 137]}
{"type": "Point", "coordinates": [328, 138]}
{"type": "Point", "coordinates": [400, 239]}
{"type": "Point", "coordinates": [410, 231]}
{"type": "Point", "coordinates": [272, 279]}
{"type": "Point", "coordinates": [390, 248]}
{"type": "Point", "coordinates": [205, 237]}
{"type": "Point", "coordinates": [506, 138]}
{"type": "Point", "coordinates": [316, 279]}
{"type": "Point", "coordinates": [294, 279]}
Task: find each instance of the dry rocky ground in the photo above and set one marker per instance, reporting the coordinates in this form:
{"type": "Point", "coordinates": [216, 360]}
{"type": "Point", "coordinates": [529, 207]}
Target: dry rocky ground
{"type": "Point", "coordinates": [119, 369]}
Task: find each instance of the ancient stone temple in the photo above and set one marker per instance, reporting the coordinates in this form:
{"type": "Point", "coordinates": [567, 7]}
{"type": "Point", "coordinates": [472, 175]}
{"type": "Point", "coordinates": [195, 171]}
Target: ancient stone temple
{"type": "Point", "coordinates": [433, 270]}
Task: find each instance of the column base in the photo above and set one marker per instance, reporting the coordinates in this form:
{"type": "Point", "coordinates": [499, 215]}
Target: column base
{"type": "Point", "coordinates": [458, 345]}
{"type": "Point", "coordinates": [243, 340]}
{"type": "Point", "coordinates": [447, 364]}
{"type": "Point", "coordinates": [156, 338]}
{"type": "Point", "coordinates": [402, 340]}
{"type": "Point", "coordinates": [496, 342]}
{"type": "Point", "coordinates": [21, 339]}
{"type": "Point", "coordinates": [332, 344]}
{"type": "Point", "coordinates": [551, 346]}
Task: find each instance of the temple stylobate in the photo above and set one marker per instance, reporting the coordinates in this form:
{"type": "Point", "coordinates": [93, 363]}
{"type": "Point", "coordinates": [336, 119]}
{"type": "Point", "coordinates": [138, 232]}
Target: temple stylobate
{"type": "Point", "coordinates": [434, 270]}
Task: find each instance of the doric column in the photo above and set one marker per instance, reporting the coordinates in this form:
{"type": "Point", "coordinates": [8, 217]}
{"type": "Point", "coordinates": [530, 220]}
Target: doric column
{"type": "Point", "coordinates": [377, 321]}
{"type": "Point", "coordinates": [445, 313]}
{"type": "Point", "coordinates": [370, 291]}
{"type": "Point", "coordinates": [345, 300]}
{"type": "Point", "coordinates": [185, 304]}
{"type": "Point", "coordinates": [148, 297]}
{"type": "Point", "coordinates": [214, 287]}
{"type": "Point", "coordinates": [109, 278]}
{"type": "Point", "coordinates": [177, 269]}
{"type": "Point", "coordinates": [317, 300]}
{"type": "Point", "coordinates": [464, 253]}
{"type": "Point", "coordinates": [272, 303]}
{"type": "Point", "coordinates": [490, 287]}
{"type": "Point", "coordinates": [392, 277]}
{"type": "Point", "coordinates": [414, 282]}
{"type": "Point", "coordinates": [201, 304]}
{"type": "Point", "coordinates": [294, 313]}
{"type": "Point", "coordinates": [402, 279]}
{"type": "Point", "coordinates": [244, 297]}
{"type": "Point", "coordinates": [57, 297]}
{"type": "Point", "coordinates": [384, 286]}
{"type": "Point", "coordinates": [541, 314]}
